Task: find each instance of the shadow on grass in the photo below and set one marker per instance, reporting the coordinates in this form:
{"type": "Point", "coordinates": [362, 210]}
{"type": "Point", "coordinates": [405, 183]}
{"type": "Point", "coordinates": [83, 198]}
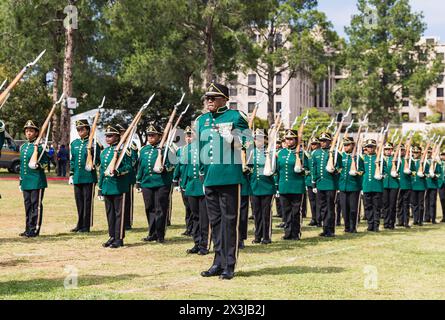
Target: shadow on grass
{"type": "Point", "coordinates": [47, 285]}
{"type": "Point", "coordinates": [288, 270]}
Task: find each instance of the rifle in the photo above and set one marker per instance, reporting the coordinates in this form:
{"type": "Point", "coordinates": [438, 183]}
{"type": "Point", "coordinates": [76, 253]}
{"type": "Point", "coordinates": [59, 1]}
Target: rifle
{"type": "Point", "coordinates": [435, 155]}
{"type": "Point", "coordinates": [117, 158]}
{"type": "Point", "coordinates": [35, 156]}
{"type": "Point", "coordinates": [5, 94]}
{"type": "Point", "coordinates": [420, 171]}
{"type": "Point", "coordinates": [357, 145]}
{"type": "Point", "coordinates": [311, 138]}
{"type": "Point", "coordinates": [173, 133]}
{"type": "Point", "coordinates": [251, 124]}
{"type": "Point", "coordinates": [89, 165]}
{"type": "Point", "coordinates": [345, 135]}
{"type": "Point", "coordinates": [269, 166]}
{"type": "Point", "coordinates": [158, 167]}
{"type": "Point", "coordinates": [298, 163]}
{"type": "Point", "coordinates": [331, 162]}
{"type": "Point", "coordinates": [3, 84]}
{"type": "Point", "coordinates": [396, 159]}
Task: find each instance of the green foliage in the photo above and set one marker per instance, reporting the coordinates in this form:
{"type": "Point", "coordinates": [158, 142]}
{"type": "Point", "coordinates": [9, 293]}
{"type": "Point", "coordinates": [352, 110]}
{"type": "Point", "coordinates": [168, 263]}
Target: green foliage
{"type": "Point", "coordinates": [434, 118]}
{"type": "Point", "coordinates": [317, 120]}
{"type": "Point", "coordinates": [261, 123]}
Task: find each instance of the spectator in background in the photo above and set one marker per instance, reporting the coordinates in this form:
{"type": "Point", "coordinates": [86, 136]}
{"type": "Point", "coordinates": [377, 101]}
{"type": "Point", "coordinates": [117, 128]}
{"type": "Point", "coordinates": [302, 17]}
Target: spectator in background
{"type": "Point", "coordinates": [51, 153]}
{"type": "Point", "coordinates": [62, 159]}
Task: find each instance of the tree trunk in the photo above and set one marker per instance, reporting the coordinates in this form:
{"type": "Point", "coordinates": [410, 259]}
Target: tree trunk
{"type": "Point", "coordinates": [270, 76]}
{"type": "Point", "coordinates": [55, 129]}
{"type": "Point", "coordinates": [210, 57]}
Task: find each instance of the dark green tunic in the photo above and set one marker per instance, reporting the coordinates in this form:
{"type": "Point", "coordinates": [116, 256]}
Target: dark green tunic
{"type": "Point", "coordinates": [389, 182]}
{"type": "Point", "coordinates": [368, 166]}
{"type": "Point", "coordinates": [193, 184]}
{"type": "Point", "coordinates": [260, 184]}
{"type": "Point", "coordinates": [118, 184]}
{"type": "Point", "coordinates": [324, 180]}
{"type": "Point", "coordinates": [146, 176]}
{"type": "Point", "coordinates": [348, 183]}
{"type": "Point", "coordinates": [290, 182]}
{"type": "Point", "coordinates": [418, 183]}
{"type": "Point", "coordinates": [78, 161]}
{"type": "Point", "coordinates": [31, 179]}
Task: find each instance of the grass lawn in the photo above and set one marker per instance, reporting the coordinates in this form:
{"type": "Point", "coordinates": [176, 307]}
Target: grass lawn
{"type": "Point", "coordinates": [400, 264]}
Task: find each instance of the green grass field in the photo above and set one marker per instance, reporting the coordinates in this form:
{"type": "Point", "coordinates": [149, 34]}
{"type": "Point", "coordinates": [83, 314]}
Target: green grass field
{"type": "Point", "coordinates": [404, 264]}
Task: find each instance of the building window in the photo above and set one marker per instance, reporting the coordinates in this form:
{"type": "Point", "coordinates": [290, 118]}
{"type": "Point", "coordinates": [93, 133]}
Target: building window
{"type": "Point", "coordinates": [277, 107]}
{"type": "Point", "coordinates": [279, 79]}
{"type": "Point", "coordinates": [233, 92]}
{"type": "Point", "coordinates": [279, 40]}
{"type": "Point", "coordinates": [233, 105]}
{"type": "Point", "coordinates": [430, 41]}
{"type": "Point", "coordinates": [251, 79]}
{"type": "Point", "coordinates": [405, 116]}
{"type": "Point", "coordinates": [278, 93]}
{"type": "Point", "coordinates": [422, 116]}
{"type": "Point", "coordinates": [405, 103]}
{"type": "Point", "coordinates": [440, 92]}
{"type": "Point", "coordinates": [405, 93]}
{"type": "Point", "coordinates": [250, 107]}
{"type": "Point", "coordinates": [251, 92]}
{"type": "Point", "coordinates": [441, 56]}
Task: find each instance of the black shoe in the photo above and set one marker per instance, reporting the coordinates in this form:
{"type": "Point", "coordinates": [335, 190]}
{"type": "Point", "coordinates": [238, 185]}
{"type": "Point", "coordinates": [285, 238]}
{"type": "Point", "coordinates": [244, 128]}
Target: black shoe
{"type": "Point", "coordinates": [256, 241]}
{"type": "Point", "coordinates": [83, 230]}
{"type": "Point", "coordinates": [407, 226]}
{"type": "Point", "coordinates": [108, 243]}
{"type": "Point", "coordinates": [291, 238]}
{"type": "Point", "coordinates": [347, 231]}
{"type": "Point", "coordinates": [76, 229]}
{"type": "Point", "coordinates": [399, 225]}
{"type": "Point", "coordinates": [312, 224]}
{"type": "Point", "coordinates": [421, 224]}
{"type": "Point", "coordinates": [241, 245]}
{"type": "Point", "coordinates": [319, 225]}
{"type": "Point", "coordinates": [428, 221]}
{"type": "Point", "coordinates": [434, 222]}
{"type": "Point", "coordinates": [203, 252]}
{"type": "Point", "coordinates": [117, 244]}
{"type": "Point", "coordinates": [251, 218]}
{"type": "Point", "coordinates": [32, 234]}
{"type": "Point", "coordinates": [330, 235]}
{"type": "Point", "coordinates": [214, 271]}
{"type": "Point", "coordinates": [266, 241]}
{"type": "Point", "coordinates": [186, 233]}
{"type": "Point", "coordinates": [150, 239]}
{"type": "Point", "coordinates": [416, 223]}
{"type": "Point", "coordinates": [227, 275]}
{"type": "Point", "coordinates": [128, 228]}
{"type": "Point", "coordinates": [24, 234]}
{"type": "Point", "coordinates": [193, 250]}
{"type": "Point", "coordinates": [160, 240]}
{"type": "Point", "coordinates": [353, 231]}
{"type": "Point", "coordinates": [323, 234]}
{"type": "Point", "coordinates": [281, 225]}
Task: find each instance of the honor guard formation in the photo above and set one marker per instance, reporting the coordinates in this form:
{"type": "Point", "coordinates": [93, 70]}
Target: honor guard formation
{"type": "Point", "coordinates": [227, 165]}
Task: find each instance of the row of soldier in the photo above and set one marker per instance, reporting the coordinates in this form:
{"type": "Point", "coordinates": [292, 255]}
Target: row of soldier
{"type": "Point", "coordinates": [217, 194]}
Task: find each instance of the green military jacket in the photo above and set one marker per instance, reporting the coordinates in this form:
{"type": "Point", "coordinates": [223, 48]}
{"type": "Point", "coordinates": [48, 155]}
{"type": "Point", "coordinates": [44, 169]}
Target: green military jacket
{"type": "Point", "coordinates": [180, 172]}
{"type": "Point", "coordinates": [146, 176]}
{"type": "Point", "coordinates": [79, 152]}
{"type": "Point", "coordinates": [348, 183]}
{"type": "Point", "coordinates": [133, 153]}
{"type": "Point", "coordinates": [389, 182]}
{"type": "Point", "coordinates": [367, 165]}
{"type": "Point", "coordinates": [405, 182]}
{"type": "Point", "coordinates": [260, 184]}
{"type": "Point", "coordinates": [418, 183]}
{"type": "Point", "coordinates": [118, 184]}
{"type": "Point", "coordinates": [31, 179]}
{"type": "Point", "coordinates": [290, 182]}
{"type": "Point", "coordinates": [193, 184]}
{"type": "Point", "coordinates": [433, 182]}
{"type": "Point", "coordinates": [441, 180]}
{"type": "Point", "coordinates": [324, 180]}
{"type": "Point", "coordinates": [220, 159]}
{"type": "Point", "coordinates": [309, 182]}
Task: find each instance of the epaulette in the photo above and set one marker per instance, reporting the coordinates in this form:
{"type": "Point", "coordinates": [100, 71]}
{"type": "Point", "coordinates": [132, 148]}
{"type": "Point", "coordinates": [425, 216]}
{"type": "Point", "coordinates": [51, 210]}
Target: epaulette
{"type": "Point", "coordinates": [128, 152]}
{"type": "Point", "coordinates": [243, 115]}
{"type": "Point", "coordinates": [134, 146]}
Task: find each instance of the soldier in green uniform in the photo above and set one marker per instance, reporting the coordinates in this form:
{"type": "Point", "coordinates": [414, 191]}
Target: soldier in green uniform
{"type": "Point", "coordinates": [113, 186]}
{"type": "Point", "coordinates": [404, 198]}
{"type": "Point", "coordinates": [281, 144]}
{"type": "Point", "coordinates": [179, 182]}
{"type": "Point", "coordinates": [372, 185]}
{"type": "Point", "coordinates": [244, 209]}
{"type": "Point", "coordinates": [326, 183]}
{"type": "Point", "coordinates": [218, 132]}
{"type": "Point", "coordinates": [132, 152]}
{"type": "Point", "coordinates": [315, 212]}
{"type": "Point", "coordinates": [84, 180]}
{"type": "Point", "coordinates": [349, 187]}
{"type": "Point", "coordinates": [156, 187]}
{"type": "Point", "coordinates": [291, 185]}
{"type": "Point", "coordinates": [441, 184]}
{"type": "Point", "coordinates": [418, 188]}
{"type": "Point", "coordinates": [432, 184]}
{"type": "Point", "coordinates": [263, 191]}
{"type": "Point", "coordinates": [32, 181]}
{"type": "Point", "coordinates": [390, 189]}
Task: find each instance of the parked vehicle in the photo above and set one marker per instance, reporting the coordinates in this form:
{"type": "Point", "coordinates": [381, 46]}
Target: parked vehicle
{"type": "Point", "coordinates": [10, 155]}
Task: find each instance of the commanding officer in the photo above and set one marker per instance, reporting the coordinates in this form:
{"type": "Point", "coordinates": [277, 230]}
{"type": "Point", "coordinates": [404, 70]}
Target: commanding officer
{"type": "Point", "coordinates": [32, 181]}
{"type": "Point", "coordinates": [315, 212]}
{"type": "Point", "coordinates": [113, 187]}
{"type": "Point", "coordinates": [419, 187]}
{"type": "Point", "coordinates": [218, 132]}
{"type": "Point", "coordinates": [372, 186]}
{"type": "Point", "coordinates": [390, 189]}
{"type": "Point", "coordinates": [349, 187]}
{"type": "Point", "coordinates": [403, 201]}
{"type": "Point", "coordinates": [291, 185]}
{"type": "Point", "coordinates": [325, 183]}
{"type": "Point", "coordinates": [432, 184]}
{"type": "Point", "coordinates": [179, 181]}
{"type": "Point", "coordinates": [132, 152]}
{"type": "Point", "coordinates": [441, 184]}
{"type": "Point", "coordinates": [156, 187]}
{"type": "Point", "coordinates": [84, 181]}
{"type": "Point", "coordinates": [263, 190]}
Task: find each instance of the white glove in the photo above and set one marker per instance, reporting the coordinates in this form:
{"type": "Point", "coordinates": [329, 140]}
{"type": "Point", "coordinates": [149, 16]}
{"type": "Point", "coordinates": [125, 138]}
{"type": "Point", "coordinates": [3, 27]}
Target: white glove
{"type": "Point", "coordinates": [20, 188]}
{"type": "Point", "coordinates": [226, 135]}
{"type": "Point", "coordinates": [407, 171]}
{"type": "Point", "coordinates": [277, 195]}
{"type": "Point", "coordinates": [32, 166]}
{"type": "Point", "coordinates": [330, 169]}
{"type": "Point", "coordinates": [100, 198]}
{"type": "Point", "coordinates": [177, 189]}
{"type": "Point", "coordinates": [297, 169]}
{"type": "Point", "coordinates": [378, 177]}
{"type": "Point", "coordinates": [421, 175]}
{"type": "Point", "coordinates": [314, 190]}
{"type": "Point", "coordinates": [353, 173]}
{"type": "Point", "coordinates": [394, 174]}
{"type": "Point", "coordinates": [71, 180]}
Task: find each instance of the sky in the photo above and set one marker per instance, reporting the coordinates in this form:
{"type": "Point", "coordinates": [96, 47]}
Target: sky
{"type": "Point", "coordinates": [339, 13]}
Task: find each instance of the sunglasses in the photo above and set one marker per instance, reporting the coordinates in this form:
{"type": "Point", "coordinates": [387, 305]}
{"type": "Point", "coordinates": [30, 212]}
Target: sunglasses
{"type": "Point", "coordinates": [211, 98]}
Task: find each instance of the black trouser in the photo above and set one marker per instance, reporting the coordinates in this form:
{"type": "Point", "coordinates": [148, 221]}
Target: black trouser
{"type": "Point", "coordinates": [223, 208]}
{"type": "Point", "coordinates": [129, 209]}
{"type": "Point", "coordinates": [34, 209]}
{"type": "Point", "coordinates": [157, 206]}
{"type": "Point", "coordinates": [442, 201]}
{"type": "Point", "coordinates": [243, 218]}
{"type": "Point", "coordinates": [389, 207]}
{"type": "Point", "coordinates": [403, 205]}
{"type": "Point", "coordinates": [189, 225]}
{"type": "Point", "coordinates": [338, 209]}
{"type": "Point", "coordinates": [292, 209]}
{"type": "Point", "coordinates": [84, 196]}
{"type": "Point", "coordinates": [304, 206]}
{"type": "Point", "coordinates": [262, 211]}
{"type": "Point", "coordinates": [61, 168]}
{"type": "Point", "coordinates": [373, 208]}
{"type": "Point", "coordinates": [313, 204]}
{"type": "Point", "coordinates": [278, 206]}
{"type": "Point", "coordinates": [114, 207]}
{"type": "Point", "coordinates": [199, 221]}
{"type": "Point", "coordinates": [326, 201]}
{"type": "Point", "coordinates": [349, 202]}
{"type": "Point", "coordinates": [430, 205]}
{"type": "Point", "coordinates": [417, 204]}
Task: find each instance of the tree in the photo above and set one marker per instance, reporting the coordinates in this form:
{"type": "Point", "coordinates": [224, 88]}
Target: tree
{"type": "Point", "coordinates": [384, 60]}
{"type": "Point", "coordinates": [317, 119]}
